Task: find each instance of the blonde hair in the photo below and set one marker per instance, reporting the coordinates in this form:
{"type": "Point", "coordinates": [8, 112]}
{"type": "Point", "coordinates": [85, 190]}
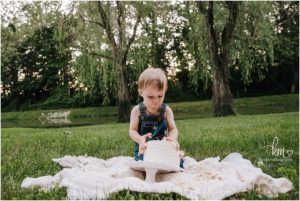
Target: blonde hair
{"type": "Point", "coordinates": [153, 76]}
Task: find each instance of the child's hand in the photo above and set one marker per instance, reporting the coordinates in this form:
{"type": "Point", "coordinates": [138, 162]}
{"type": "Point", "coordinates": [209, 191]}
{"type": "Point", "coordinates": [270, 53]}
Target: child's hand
{"type": "Point", "coordinates": [181, 154]}
{"type": "Point", "coordinates": [174, 142]}
{"type": "Point", "coordinates": [143, 143]}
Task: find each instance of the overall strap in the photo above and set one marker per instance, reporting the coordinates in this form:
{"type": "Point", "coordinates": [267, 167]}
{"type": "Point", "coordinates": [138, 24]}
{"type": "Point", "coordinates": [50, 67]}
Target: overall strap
{"type": "Point", "coordinates": [163, 110]}
{"type": "Point", "coordinates": [142, 108]}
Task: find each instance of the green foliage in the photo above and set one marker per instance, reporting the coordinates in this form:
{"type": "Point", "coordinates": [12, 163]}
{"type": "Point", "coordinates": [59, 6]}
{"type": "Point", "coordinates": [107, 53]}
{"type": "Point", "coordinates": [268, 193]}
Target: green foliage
{"type": "Point", "coordinates": [41, 64]}
{"type": "Point", "coordinates": [9, 69]}
{"type": "Point", "coordinates": [287, 45]}
{"type": "Point", "coordinates": [172, 35]}
{"type": "Point", "coordinates": [98, 77]}
{"type": "Point", "coordinates": [252, 49]}
{"type": "Point", "coordinates": [59, 97]}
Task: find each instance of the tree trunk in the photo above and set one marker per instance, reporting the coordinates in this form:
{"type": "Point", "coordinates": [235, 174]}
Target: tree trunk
{"type": "Point", "coordinates": [222, 99]}
{"type": "Point", "coordinates": [123, 93]}
{"type": "Point", "coordinates": [295, 81]}
{"type": "Point", "coordinates": [219, 52]}
{"type": "Point", "coordinates": [120, 50]}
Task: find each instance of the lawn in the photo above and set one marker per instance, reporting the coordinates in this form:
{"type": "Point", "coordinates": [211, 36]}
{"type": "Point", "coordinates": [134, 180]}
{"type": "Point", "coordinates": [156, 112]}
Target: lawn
{"type": "Point", "coordinates": [28, 151]}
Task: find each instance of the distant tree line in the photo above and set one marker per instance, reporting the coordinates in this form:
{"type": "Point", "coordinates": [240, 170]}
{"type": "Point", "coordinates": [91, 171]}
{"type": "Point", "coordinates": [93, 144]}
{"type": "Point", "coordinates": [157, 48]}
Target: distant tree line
{"type": "Point", "coordinates": [91, 53]}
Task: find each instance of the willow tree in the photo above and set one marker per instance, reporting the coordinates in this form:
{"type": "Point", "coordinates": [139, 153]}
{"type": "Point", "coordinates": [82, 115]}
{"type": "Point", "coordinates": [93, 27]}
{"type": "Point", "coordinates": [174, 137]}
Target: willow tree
{"type": "Point", "coordinates": [225, 37]}
{"type": "Point", "coordinates": [219, 52]}
{"type": "Point", "coordinates": [119, 22]}
{"type": "Point", "coordinates": [121, 44]}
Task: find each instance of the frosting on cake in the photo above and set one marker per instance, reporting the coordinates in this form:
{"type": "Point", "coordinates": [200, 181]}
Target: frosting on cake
{"type": "Point", "coordinates": [162, 152]}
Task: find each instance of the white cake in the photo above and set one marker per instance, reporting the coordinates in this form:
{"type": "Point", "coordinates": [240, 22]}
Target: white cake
{"type": "Point", "coordinates": [162, 152]}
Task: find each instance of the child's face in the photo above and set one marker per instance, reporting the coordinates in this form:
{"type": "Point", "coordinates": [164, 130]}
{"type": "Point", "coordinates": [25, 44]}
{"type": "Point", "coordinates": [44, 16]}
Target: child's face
{"type": "Point", "coordinates": [153, 97]}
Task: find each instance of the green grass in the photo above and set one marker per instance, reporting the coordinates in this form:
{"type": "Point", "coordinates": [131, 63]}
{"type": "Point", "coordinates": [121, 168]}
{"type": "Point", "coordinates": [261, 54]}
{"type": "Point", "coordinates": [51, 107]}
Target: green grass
{"type": "Point", "coordinates": [28, 151]}
{"type": "Point", "coordinates": [183, 110]}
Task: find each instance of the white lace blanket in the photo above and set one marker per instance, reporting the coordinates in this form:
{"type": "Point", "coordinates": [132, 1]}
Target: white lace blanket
{"type": "Point", "coordinates": [92, 178]}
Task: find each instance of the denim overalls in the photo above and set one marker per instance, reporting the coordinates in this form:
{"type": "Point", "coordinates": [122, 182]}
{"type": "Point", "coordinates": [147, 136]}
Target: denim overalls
{"type": "Point", "coordinates": [155, 124]}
